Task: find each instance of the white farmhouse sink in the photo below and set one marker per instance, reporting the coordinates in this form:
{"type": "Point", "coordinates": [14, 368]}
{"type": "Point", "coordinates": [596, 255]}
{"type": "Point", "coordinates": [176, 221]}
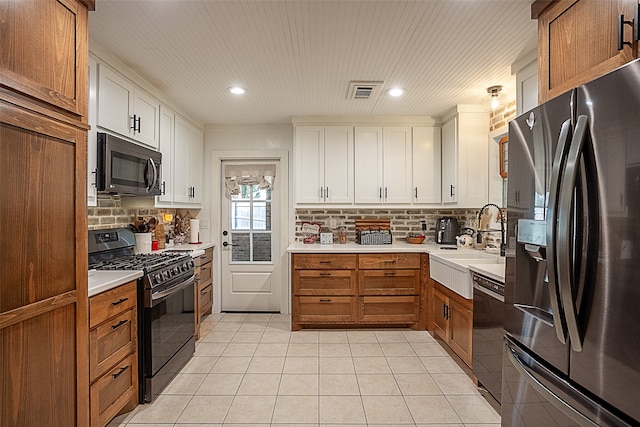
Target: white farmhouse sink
{"type": "Point", "coordinates": [451, 269]}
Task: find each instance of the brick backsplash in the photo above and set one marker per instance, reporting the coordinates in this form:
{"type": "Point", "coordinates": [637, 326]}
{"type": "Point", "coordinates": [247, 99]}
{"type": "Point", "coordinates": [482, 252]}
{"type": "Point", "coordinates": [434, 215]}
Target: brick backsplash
{"type": "Point", "coordinates": [403, 221]}
{"type": "Point", "coordinates": [110, 214]}
{"type": "Point", "coordinates": [501, 116]}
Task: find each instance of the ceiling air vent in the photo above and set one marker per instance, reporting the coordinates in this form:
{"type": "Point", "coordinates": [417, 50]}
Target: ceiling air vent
{"type": "Point", "coordinates": [363, 89]}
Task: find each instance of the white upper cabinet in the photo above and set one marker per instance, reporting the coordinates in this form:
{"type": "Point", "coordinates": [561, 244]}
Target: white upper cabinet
{"type": "Point", "coordinates": [324, 164]}
{"type": "Point", "coordinates": [426, 165]}
{"type": "Point", "coordinates": [338, 164]}
{"type": "Point", "coordinates": [146, 111]}
{"type": "Point", "coordinates": [368, 164]}
{"type": "Point", "coordinates": [449, 161]}
{"type": "Point", "coordinates": [383, 164]}
{"type": "Point", "coordinates": [397, 153]}
{"type": "Point", "coordinates": [181, 146]}
{"type": "Point", "coordinates": [125, 109]}
{"type": "Point", "coordinates": [187, 163]}
{"type": "Point", "coordinates": [167, 138]}
{"type": "Point", "coordinates": [465, 158]}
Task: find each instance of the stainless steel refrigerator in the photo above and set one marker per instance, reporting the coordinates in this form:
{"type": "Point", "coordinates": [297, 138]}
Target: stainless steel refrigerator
{"type": "Point", "coordinates": [572, 297]}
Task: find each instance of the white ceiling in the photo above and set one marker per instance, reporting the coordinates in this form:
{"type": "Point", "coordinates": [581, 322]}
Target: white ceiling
{"type": "Point", "coordinates": [296, 57]}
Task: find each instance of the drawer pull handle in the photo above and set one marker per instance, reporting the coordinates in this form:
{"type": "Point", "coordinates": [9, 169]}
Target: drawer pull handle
{"type": "Point", "coordinates": [389, 273]}
{"type": "Point", "coordinates": [325, 300]}
{"type": "Point", "coordinates": [325, 262]}
{"type": "Point", "coordinates": [117, 374]}
{"type": "Point", "coordinates": [120, 323]}
{"type": "Point", "coordinates": [325, 274]}
{"type": "Point", "coordinates": [203, 292]}
{"type": "Point", "coordinates": [204, 268]}
{"type": "Point", "coordinates": [120, 301]}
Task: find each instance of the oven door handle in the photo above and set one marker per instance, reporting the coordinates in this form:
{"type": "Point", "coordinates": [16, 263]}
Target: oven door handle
{"type": "Point", "coordinates": [488, 292]}
{"type": "Point", "coordinates": [167, 292]}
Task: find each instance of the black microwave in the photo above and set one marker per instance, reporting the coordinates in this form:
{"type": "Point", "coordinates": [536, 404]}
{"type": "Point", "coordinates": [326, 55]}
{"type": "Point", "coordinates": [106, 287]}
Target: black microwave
{"type": "Point", "coordinates": [126, 168]}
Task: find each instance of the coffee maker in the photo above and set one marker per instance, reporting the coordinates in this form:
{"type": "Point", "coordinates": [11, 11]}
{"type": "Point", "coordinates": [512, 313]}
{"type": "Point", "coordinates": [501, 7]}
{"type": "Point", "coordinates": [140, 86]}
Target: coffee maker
{"type": "Point", "coordinates": [446, 230]}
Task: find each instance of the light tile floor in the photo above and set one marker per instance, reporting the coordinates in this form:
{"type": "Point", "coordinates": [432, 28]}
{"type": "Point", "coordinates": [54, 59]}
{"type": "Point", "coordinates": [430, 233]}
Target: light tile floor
{"type": "Point", "coordinates": [251, 370]}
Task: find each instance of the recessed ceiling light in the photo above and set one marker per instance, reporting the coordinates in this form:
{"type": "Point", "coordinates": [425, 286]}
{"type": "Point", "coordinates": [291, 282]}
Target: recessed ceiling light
{"type": "Point", "coordinates": [237, 90]}
{"type": "Point", "coordinates": [395, 92]}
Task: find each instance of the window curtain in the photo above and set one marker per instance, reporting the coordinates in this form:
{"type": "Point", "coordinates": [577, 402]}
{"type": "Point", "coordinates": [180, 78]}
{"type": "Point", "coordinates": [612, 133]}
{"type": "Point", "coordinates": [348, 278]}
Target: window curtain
{"type": "Point", "coordinates": [256, 174]}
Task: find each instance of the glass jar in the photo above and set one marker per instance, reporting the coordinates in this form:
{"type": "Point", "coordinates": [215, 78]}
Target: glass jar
{"type": "Point", "coordinates": [342, 235]}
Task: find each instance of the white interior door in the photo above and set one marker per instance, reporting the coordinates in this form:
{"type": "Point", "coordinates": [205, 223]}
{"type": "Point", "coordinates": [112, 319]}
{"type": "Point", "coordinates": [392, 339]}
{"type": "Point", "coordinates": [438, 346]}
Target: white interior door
{"type": "Point", "coordinates": [250, 223]}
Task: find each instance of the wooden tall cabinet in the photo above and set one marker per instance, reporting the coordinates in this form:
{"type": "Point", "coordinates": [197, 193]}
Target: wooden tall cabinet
{"type": "Point", "coordinates": [44, 363]}
{"type": "Point", "coordinates": [578, 41]}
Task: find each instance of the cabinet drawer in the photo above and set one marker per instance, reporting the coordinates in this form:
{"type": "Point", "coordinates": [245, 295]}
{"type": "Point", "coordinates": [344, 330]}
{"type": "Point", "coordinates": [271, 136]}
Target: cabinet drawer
{"type": "Point", "coordinates": [388, 261]}
{"type": "Point", "coordinates": [326, 309]}
{"type": "Point", "coordinates": [207, 257]}
{"type": "Point", "coordinates": [324, 282]}
{"type": "Point", "coordinates": [204, 275]}
{"type": "Point", "coordinates": [113, 391]}
{"type": "Point", "coordinates": [111, 341]}
{"type": "Point", "coordinates": [324, 261]}
{"type": "Point", "coordinates": [111, 303]}
{"type": "Point", "coordinates": [205, 299]}
{"type": "Point", "coordinates": [395, 309]}
{"type": "Point", "coordinates": [389, 282]}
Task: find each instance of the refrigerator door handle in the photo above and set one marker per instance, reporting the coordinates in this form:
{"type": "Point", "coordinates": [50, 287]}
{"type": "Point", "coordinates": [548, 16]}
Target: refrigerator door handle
{"type": "Point", "coordinates": [552, 225]}
{"type": "Point", "coordinates": [564, 239]}
{"type": "Point", "coordinates": [537, 377]}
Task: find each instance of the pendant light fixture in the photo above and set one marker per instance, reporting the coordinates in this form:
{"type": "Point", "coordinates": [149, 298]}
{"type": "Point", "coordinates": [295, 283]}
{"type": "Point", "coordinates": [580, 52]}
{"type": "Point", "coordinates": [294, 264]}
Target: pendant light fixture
{"type": "Point", "coordinates": [495, 99]}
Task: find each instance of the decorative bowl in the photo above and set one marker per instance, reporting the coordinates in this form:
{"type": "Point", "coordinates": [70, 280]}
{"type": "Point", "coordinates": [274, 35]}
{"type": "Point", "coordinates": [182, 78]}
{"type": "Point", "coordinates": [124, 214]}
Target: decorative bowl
{"type": "Point", "coordinates": [415, 239]}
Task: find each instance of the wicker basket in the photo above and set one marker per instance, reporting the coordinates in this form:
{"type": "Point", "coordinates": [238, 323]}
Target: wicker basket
{"type": "Point", "coordinates": [373, 232]}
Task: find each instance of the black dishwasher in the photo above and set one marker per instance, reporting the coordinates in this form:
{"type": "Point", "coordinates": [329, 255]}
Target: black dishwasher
{"type": "Point", "coordinates": [488, 333]}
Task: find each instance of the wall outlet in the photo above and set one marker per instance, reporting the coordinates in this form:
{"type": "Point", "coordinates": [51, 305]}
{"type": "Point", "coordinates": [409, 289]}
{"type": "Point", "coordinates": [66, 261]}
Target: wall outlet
{"type": "Point", "coordinates": [204, 223]}
{"type": "Point", "coordinates": [333, 223]}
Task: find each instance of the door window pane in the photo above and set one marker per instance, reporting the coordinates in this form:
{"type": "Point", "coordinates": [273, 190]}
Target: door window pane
{"type": "Point", "coordinates": [262, 247]}
{"type": "Point", "coordinates": [240, 247]}
{"type": "Point", "coordinates": [241, 215]}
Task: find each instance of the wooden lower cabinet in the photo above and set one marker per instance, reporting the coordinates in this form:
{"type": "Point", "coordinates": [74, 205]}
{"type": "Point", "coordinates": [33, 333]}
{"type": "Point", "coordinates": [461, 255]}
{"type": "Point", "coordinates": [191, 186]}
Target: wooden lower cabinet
{"type": "Point", "coordinates": [393, 309]}
{"type": "Point", "coordinates": [356, 289]}
{"type": "Point", "coordinates": [203, 291]}
{"type": "Point", "coordinates": [113, 355]}
{"type": "Point", "coordinates": [452, 320]}
{"type": "Point", "coordinates": [326, 309]}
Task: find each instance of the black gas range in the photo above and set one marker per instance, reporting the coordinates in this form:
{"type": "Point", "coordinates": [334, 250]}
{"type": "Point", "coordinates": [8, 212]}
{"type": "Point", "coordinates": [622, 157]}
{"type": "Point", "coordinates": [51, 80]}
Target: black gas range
{"type": "Point", "coordinates": [166, 318]}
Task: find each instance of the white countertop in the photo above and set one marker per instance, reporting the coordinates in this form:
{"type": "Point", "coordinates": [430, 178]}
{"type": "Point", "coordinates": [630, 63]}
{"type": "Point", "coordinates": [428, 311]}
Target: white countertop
{"type": "Point", "coordinates": [103, 280]}
{"type": "Point", "coordinates": [492, 271]}
{"type": "Point", "coordinates": [194, 249]}
{"type": "Point", "coordinates": [352, 247]}
{"type": "Point", "coordinates": [184, 247]}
